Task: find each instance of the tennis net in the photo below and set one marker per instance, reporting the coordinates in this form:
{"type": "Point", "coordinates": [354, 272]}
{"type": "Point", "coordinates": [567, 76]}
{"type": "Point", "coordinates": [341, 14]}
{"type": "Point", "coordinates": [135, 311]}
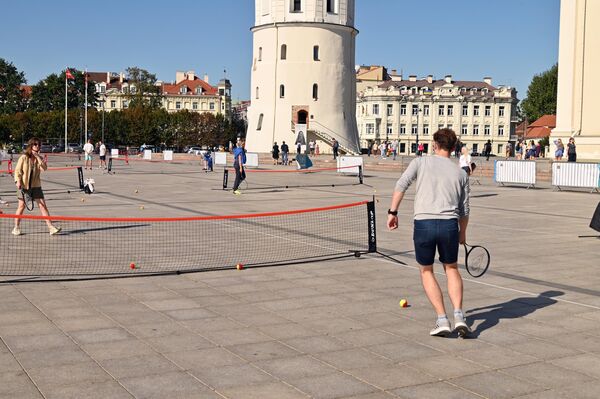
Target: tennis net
{"type": "Point", "coordinates": [65, 178]}
{"type": "Point", "coordinates": [121, 246]}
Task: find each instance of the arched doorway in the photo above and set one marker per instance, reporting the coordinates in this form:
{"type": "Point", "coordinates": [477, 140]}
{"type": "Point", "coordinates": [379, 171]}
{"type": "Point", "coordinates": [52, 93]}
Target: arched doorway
{"type": "Point", "coordinates": [302, 116]}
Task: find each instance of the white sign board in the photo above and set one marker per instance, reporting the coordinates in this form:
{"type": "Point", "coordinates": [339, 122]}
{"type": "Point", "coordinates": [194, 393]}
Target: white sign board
{"type": "Point", "coordinates": [147, 154]}
{"type": "Point", "coordinates": [252, 160]}
{"type": "Point", "coordinates": [220, 158]}
{"type": "Point", "coordinates": [114, 153]}
{"type": "Point", "coordinates": [301, 134]}
{"type": "Point", "coordinates": [167, 155]}
{"type": "Point", "coordinates": [344, 162]}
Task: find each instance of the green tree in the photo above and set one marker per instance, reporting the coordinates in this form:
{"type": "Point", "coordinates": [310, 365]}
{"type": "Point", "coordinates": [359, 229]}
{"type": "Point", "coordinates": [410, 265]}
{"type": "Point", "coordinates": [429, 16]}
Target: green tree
{"type": "Point", "coordinates": [49, 93]}
{"type": "Point", "coordinates": [541, 95]}
{"type": "Point", "coordinates": [143, 91]}
{"type": "Point", "coordinates": [11, 94]}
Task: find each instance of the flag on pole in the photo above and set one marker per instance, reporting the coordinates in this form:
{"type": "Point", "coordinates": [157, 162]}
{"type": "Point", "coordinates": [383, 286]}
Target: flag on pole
{"type": "Point", "coordinates": [69, 75]}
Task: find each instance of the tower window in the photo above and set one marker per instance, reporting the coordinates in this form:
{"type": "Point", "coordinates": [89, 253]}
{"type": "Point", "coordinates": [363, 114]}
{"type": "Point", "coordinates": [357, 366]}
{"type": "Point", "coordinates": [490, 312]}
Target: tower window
{"type": "Point", "coordinates": [332, 6]}
{"type": "Point", "coordinates": [260, 118]}
{"type": "Point", "coordinates": [283, 51]}
{"type": "Point", "coordinates": [316, 53]}
{"type": "Point", "coordinates": [297, 5]}
{"type": "Point", "coordinates": [281, 91]}
{"type": "Point", "coordinates": [257, 92]}
{"type": "Point", "coordinates": [260, 53]}
{"type": "Point", "coordinates": [315, 92]}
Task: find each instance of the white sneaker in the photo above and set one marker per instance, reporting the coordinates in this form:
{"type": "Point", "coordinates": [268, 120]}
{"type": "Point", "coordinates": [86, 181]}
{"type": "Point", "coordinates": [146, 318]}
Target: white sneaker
{"type": "Point", "coordinates": [55, 230]}
{"type": "Point", "coordinates": [441, 329]}
{"type": "Point", "coordinates": [461, 327]}
{"type": "Point", "coordinates": [16, 231]}
{"type": "Point", "coordinates": [3, 202]}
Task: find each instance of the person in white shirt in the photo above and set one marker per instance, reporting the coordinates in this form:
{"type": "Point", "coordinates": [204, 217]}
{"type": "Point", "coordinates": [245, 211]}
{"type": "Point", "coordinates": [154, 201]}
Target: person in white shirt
{"type": "Point", "coordinates": [465, 160]}
{"type": "Point", "coordinates": [88, 149]}
{"type": "Point", "coordinates": [102, 152]}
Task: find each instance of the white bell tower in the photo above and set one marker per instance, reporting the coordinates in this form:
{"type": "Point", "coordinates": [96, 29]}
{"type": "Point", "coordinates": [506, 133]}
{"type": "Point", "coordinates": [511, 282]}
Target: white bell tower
{"type": "Point", "coordinates": [303, 73]}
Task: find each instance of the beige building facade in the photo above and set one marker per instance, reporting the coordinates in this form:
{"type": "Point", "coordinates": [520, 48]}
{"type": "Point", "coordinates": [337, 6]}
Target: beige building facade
{"type": "Point", "coordinates": [411, 109]}
{"type": "Point", "coordinates": [578, 84]}
{"type": "Point", "coordinates": [303, 74]}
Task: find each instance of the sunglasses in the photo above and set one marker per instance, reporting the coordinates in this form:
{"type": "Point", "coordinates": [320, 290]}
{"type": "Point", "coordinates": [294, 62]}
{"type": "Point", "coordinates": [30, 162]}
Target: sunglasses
{"type": "Point", "coordinates": [35, 144]}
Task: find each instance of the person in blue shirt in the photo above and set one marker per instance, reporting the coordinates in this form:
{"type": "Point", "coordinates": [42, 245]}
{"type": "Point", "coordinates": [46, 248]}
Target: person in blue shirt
{"type": "Point", "coordinates": [239, 159]}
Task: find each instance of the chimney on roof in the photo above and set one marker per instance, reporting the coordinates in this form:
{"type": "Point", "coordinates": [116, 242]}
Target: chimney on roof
{"type": "Point", "coordinates": [412, 78]}
{"type": "Point", "coordinates": [206, 77]}
{"type": "Point", "coordinates": [429, 78]}
{"type": "Point", "coordinates": [488, 80]}
{"type": "Point", "coordinates": [448, 78]}
{"type": "Point", "coordinates": [108, 77]}
{"type": "Point", "coordinates": [393, 71]}
{"type": "Point", "coordinates": [179, 76]}
{"type": "Point", "coordinates": [121, 77]}
{"type": "Point", "coordinates": [191, 75]}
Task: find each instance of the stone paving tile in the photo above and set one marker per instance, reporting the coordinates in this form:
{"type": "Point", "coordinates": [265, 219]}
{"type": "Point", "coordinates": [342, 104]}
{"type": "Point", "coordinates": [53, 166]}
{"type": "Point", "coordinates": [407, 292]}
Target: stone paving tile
{"type": "Point", "coordinates": [52, 357]}
{"type": "Point", "coordinates": [369, 336]}
{"type": "Point", "coordinates": [231, 376]}
{"type": "Point", "coordinates": [236, 337]}
{"type": "Point", "coordinates": [138, 366]}
{"type": "Point", "coordinates": [84, 337]}
{"type": "Point", "coordinates": [497, 357]}
{"type": "Point", "coordinates": [436, 390]}
{"type": "Point", "coordinates": [391, 376]}
{"type": "Point", "coordinates": [579, 341]}
{"type": "Point", "coordinates": [547, 375]}
{"type": "Point", "coordinates": [38, 342]}
{"type": "Point", "coordinates": [446, 366]}
{"type": "Point", "coordinates": [136, 317]}
{"type": "Point", "coordinates": [172, 304]}
{"type": "Point", "coordinates": [543, 350]}
{"type": "Point", "coordinates": [317, 344]}
{"type": "Point", "coordinates": [88, 390]}
{"type": "Point", "coordinates": [286, 331]}
{"type": "Point", "coordinates": [80, 311]}
{"type": "Point", "coordinates": [195, 359]}
{"type": "Point", "coordinates": [190, 314]}
{"type": "Point", "coordinates": [273, 390]}
{"type": "Point", "coordinates": [263, 351]}
{"type": "Point", "coordinates": [178, 385]}
{"type": "Point", "coordinates": [21, 316]}
{"type": "Point", "coordinates": [118, 349]}
{"type": "Point", "coordinates": [181, 341]}
{"type": "Point", "coordinates": [331, 386]}
{"type": "Point", "coordinates": [402, 351]}
{"type": "Point", "coordinates": [85, 323]}
{"type": "Point", "coordinates": [294, 367]}
{"type": "Point", "coordinates": [258, 318]}
{"type": "Point", "coordinates": [16, 384]}
{"type": "Point", "coordinates": [494, 384]}
{"type": "Point", "coordinates": [211, 324]}
{"type": "Point", "coordinates": [68, 374]}
{"type": "Point", "coordinates": [353, 358]}
{"type": "Point", "coordinates": [8, 363]}
{"type": "Point", "coordinates": [43, 327]}
{"type": "Point", "coordinates": [586, 363]}
{"type": "Point", "coordinates": [376, 395]}
{"type": "Point", "coordinates": [152, 330]}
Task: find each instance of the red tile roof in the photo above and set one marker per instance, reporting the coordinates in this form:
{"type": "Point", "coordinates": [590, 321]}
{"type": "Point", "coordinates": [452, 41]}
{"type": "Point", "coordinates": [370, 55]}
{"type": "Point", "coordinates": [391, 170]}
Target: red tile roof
{"type": "Point", "coordinates": [191, 85]}
{"type": "Point", "coordinates": [541, 128]}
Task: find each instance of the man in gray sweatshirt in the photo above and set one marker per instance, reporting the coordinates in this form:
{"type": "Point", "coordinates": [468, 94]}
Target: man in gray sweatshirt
{"type": "Point", "coordinates": [440, 222]}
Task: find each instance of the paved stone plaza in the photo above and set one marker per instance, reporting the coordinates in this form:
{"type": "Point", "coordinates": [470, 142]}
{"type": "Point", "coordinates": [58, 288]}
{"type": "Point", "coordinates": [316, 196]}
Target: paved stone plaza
{"type": "Point", "coordinates": [321, 330]}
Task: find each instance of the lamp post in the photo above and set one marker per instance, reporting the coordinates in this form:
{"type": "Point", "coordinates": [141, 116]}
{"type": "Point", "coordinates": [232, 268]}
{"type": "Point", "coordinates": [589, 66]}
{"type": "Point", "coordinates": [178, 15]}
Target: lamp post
{"type": "Point", "coordinates": [103, 101]}
{"type": "Point", "coordinates": [417, 143]}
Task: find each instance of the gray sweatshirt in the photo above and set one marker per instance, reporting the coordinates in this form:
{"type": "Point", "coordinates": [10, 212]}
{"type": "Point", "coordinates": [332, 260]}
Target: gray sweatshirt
{"type": "Point", "coordinates": [442, 188]}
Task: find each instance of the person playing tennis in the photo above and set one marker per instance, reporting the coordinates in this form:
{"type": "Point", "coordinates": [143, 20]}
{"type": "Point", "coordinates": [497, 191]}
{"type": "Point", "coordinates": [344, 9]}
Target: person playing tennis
{"type": "Point", "coordinates": [441, 215]}
{"type": "Point", "coordinates": [239, 156]}
{"type": "Point", "coordinates": [29, 183]}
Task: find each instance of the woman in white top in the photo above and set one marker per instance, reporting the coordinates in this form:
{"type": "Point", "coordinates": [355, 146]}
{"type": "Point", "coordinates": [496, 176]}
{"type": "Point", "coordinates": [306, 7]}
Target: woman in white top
{"type": "Point", "coordinates": [465, 160]}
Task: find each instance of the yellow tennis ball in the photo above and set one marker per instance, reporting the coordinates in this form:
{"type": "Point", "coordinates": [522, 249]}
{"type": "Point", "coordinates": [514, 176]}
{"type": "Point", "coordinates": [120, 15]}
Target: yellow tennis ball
{"type": "Point", "coordinates": [136, 191]}
{"type": "Point", "coordinates": [142, 207]}
{"type": "Point", "coordinates": [83, 200]}
{"type": "Point", "coordinates": [403, 303]}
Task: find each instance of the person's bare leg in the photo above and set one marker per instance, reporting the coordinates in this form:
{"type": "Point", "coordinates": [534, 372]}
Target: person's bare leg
{"type": "Point", "coordinates": [455, 285]}
{"type": "Point", "coordinates": [432, 289]}
{"type": "Point", "coordinates": [20, 210]}
{"type": "Point", "coordinates": [44, 210]}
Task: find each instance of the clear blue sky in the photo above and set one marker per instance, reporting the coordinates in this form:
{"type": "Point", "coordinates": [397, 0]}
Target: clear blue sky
{"type": "Point", "coordinates": [509, 40]}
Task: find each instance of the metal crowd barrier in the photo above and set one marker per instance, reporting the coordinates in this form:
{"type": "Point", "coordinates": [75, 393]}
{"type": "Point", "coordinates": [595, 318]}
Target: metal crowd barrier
{"type": "Point", "coordinates": [576, 174]}
{"type": "Point", "coordinates": [515, 172]}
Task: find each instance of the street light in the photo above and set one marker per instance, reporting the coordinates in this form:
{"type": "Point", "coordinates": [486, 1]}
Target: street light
{"type": "Point", "coordinates": [102, 102]}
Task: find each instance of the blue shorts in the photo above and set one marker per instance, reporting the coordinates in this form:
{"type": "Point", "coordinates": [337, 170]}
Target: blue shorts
{"type": "Point", "coordinates": [88, 157]}
{"type": "Point", "coordinates": [430, 234]}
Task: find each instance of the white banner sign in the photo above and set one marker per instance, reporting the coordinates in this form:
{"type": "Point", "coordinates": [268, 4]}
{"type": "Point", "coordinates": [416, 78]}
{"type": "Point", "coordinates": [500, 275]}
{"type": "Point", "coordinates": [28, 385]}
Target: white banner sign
{"type": "Point", "coordinates": [147, 154]}
{"type": "Point", "coordinates": [167, 155]}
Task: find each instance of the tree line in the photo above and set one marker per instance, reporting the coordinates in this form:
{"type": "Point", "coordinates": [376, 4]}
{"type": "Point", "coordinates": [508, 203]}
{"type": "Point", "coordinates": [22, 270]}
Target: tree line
{"type": "Point", "coordinates": [40, 112]}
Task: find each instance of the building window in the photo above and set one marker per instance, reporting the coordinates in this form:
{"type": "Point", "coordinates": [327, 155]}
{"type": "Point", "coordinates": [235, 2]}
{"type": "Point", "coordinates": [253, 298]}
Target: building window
{"type": "Point", "coordinates": [486, 130]}
{"type": "Point", "coordinates": [476, 110]}
{"type": "Point", "coordinates": [281, 91]}
{"type": "Point", "coordinates": [198, 90]}
{"type": "Point", "coordinates": [413, 129]}
{"type": "Point", "coordinates": [183, 90]}
{"type": "Point", "coordinates": [315, 91]}
{"type": "Point", "coordinates": [296, 6]}
{"type": "Point", "coordinates": [389, 128]}
{"type": "Point", "coordinates": [332, 6]}
{"type": "Point", "coordinates": [464, 130]}
{"type": "Point", "coordinates": [425, 130]}
{"type": "Point", "coordinates": [415, 109]}
{"type": "Point", "coordinates": [403, 128]}
{"type": "Point", "coordinates": [475, 130]}
{"type": "Point", "coordinates": [450, 110]}
{"type": "Point", "coordinates": [260, 118]}
{"type": "Point", "coordinates": [475, 147]}
{"type": "Point", "coordinates": [441, 110]}
{"type": "Point", "coordinates": [283, 51]}
{"type": "Point", "coordinates": [499, 148]}
{"type": "Point", "coordinates": [501, 110]}
{"type": "Point", "coordinates": [211, 106]}
{"type": "Point", "coordinates": [402, 109]}
{"type": "Point", "coordinates": [194, 105]}
{"type": "Point", "coordinates": [375, 109]}
{"type": "Point", "coordinates": [390, 109]}
{"type": "Point", "coordinates": [316, 53]}
{"type": "Point", "coordinates": [500, 130]}
{"type": "Point", "coordinates": [125, 103]}
{"type": "Point", "coordinates": [440, 126]}
{"type": "Point", "coordinates": [370, 128]}
{"type": "Point", "coordinates": [260, 53]}
{"type": "Point", "coordinates": [426, 110]}
{"type": "Point", "coordinates": [451, 127]}
{"type": "Point", "coordinates": [256, 92]}
{"type": "Point", "coordinates": [465, 110]}
{"type": "Point", "coordinates": [488, 110]}
{"type": "Point", "coordinates": [178, 105]}
{"type": "Point", "coordinates": [113, 103]}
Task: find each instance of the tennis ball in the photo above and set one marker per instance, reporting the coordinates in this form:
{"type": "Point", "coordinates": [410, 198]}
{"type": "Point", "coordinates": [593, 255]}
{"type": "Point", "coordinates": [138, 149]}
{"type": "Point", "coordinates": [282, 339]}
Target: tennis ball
{"type": "Point", "coordinates": [132, 266]}
{"type": "Point", "coordinates": [403, 303]}
{"type": "Point", "coordinates": [142, 207]}
{"type": "Point", "coordinates": [136, 191]}
{"type": "Point", "coordinates": [83, 200]}
{"type": "Point", "coordinates": [239, 266]}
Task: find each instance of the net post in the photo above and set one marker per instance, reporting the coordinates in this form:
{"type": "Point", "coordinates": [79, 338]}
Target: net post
{"type": "Point", "coordinates": [109, 165]}
{"type": "Point", "coordinates": [225, 177]}
{"type": "Point", "coordinates": [360, 174]}
{"type": "Point", "coordinates": [80, 174]}
{"type": "Point", "coordinates": [372, 226]}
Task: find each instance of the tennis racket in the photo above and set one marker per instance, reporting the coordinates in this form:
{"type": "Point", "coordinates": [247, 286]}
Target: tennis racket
{"type": "Point", "coordinates": [477, 259]}
{"type": "Point", "coordinates": [27, 199]}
